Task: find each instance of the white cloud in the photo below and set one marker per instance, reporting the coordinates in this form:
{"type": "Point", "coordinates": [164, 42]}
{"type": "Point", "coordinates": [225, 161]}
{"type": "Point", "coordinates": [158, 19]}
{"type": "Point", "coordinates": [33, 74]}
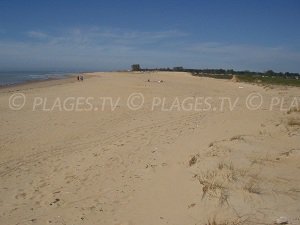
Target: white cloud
{"type": "Point", "coordinates": [37, 34]}
{"type": "Point", "coordinates": [95, 36]}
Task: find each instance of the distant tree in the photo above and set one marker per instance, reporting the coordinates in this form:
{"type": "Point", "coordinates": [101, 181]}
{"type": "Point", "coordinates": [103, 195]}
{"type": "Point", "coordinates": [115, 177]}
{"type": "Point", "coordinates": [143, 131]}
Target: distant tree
{"type": "Point", "coordinates": [135, 67]}
{"type": "Point", "coordinates": [231, 71]}
{"type": "Point", "coordinates": [269, 73]}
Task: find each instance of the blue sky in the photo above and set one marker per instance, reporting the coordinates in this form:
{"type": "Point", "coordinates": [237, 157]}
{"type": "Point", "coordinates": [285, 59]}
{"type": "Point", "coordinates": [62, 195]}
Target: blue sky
{"type": "Point", "coordinates": [111, 35]}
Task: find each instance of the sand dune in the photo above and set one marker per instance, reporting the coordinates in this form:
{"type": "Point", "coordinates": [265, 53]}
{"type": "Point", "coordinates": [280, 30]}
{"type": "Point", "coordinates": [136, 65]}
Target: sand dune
{"type": "Point", "coordinates": [152, 165]}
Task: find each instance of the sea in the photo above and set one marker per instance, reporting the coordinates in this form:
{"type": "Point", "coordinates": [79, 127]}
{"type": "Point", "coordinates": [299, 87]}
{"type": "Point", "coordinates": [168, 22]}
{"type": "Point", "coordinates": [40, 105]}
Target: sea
{"type": "Point", "coordinates": [19, 77]}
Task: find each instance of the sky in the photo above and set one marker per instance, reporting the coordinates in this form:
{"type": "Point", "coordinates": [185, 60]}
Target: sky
{"type": "Point", "coordinates": [111, 35]}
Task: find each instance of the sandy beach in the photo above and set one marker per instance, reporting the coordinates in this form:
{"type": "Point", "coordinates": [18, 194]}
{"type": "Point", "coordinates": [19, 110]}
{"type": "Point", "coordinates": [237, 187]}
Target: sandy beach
{"type": "Point", "coordinates": [117, 149]}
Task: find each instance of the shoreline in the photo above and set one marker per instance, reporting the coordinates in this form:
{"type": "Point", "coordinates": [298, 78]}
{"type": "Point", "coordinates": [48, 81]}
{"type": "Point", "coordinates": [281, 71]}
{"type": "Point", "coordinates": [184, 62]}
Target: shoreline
{"type": "Point", "coordinates": [26, 85]}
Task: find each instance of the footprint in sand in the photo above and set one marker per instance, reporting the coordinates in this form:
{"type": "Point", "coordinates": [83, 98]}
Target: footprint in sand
{"type": "Point", "coordinates": [21, 196]}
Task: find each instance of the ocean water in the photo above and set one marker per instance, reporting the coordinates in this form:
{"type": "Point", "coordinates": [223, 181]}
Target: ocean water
{"type": "Point", "coordinates": [17, 77]}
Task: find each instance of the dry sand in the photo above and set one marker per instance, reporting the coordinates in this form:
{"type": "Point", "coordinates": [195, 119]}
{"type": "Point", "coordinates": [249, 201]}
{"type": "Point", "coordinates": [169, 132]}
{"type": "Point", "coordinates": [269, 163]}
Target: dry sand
{"type": "Point", "coordinates": [147, 166]}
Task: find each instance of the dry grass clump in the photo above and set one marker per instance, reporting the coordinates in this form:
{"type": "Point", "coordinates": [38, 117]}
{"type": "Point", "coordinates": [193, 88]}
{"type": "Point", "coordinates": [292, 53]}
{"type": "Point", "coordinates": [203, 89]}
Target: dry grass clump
{"type": "Point", "coordinates": [193, 160]}
{"type": "Point", "coordinates": [294, 109]}
{"type": "Point", "coordinates": [237, 138]}
{"type": "Point", "coordinates": [225, 179]}
{"type": "Point", "coordinates": [252, 187]}
{"type": "Point", "coordinates": [263, 160]}
{"type": "Point", "coordinates": [293, 122]}
{"type": "Point", "coordinates": [211, 185]}
{"type": "Point", "coordinates": [237, 221]}
{"type": "Point", "coordinates": [223, 165]}
{"type": "Point", "coordinates": [215, 183]}
{"type": "Point", "coordinates": [243, 172]}
{"type": "Point", "coordinates": [228, 171]}
{"type": "Point", "coordinates": [224, 197]}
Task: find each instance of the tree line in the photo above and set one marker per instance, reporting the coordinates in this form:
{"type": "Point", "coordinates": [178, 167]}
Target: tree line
{"type": "Point", "coordinates": [227, 72]}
